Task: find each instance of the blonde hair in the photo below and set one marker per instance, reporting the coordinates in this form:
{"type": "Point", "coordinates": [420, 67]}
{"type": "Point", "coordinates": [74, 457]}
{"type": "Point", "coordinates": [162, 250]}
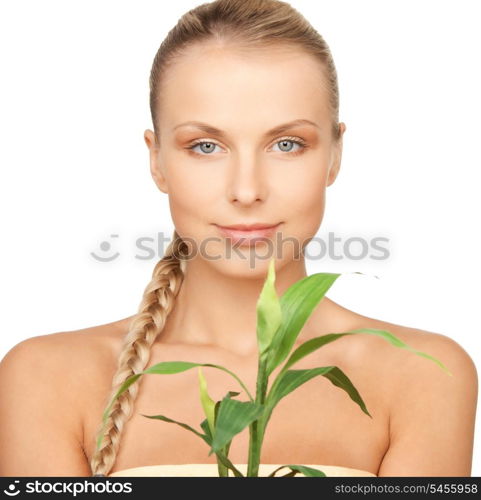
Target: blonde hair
{"type": "Point", "coordinates": [244, 24]}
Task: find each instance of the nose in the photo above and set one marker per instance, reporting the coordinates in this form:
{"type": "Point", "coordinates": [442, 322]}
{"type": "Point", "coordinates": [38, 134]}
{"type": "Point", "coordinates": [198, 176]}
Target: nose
{"type": "Point", "coordinates": [247, 183]}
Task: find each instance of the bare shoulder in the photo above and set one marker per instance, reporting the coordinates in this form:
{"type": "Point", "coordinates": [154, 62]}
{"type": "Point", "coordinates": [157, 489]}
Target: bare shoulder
{"type": "Point", "coordinates": [432, 412]}
{"type": "Point", "coordinates": [69, 349]}
{"type": "Point", "coordinates": [44, 386]}
{"type": "Point", "coordinates": [438, 345]}
{"type": "Point", "coordinates": [403, 367]}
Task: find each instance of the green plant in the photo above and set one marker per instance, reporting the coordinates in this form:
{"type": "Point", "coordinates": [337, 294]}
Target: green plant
{"type": "Point", "coordinates": [279, 322]}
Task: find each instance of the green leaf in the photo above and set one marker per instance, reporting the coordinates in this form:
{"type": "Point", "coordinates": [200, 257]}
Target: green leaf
{"type": "Point", "coordinates": [310, 346]}
{"type": "Point", "coordinates": [205, 438]}
{"type": "Point", "coordinates": [227, 463]}
{"type": "Point", "coordinates": [185, 426]}
{"type": "Point", "coordinates": [269, 313]}
{"type": "Point", "coordinates": [292, 379]}
{"type": "Point", "coordinates": [317, 342]}
{"type": "Point", "coordinates": [216, 411]}
{"type": "Point", "coordinates": [167, 368]}
{"type": "Point", "coordinates": [208, 404]}
{"type": "Point", "coordinates": [297, 304]}
{"type": "Point", "coordinates": [221, 456]}
{"type": "Point", "coordinates": [399, 343]}
{"type": "Point", "coordinates": [170, 367]}
{"type": "Point", "coordinates": [163, 368]}
{"type": "Point", "coordinates": [106, 412]}
{"type": "Point", "coordinates": [292, 473]}
{"type": "Point", "coordinates": [217, 404]}
{"type": "Point", "coordinates": [205, 427]}
{"type": "Point", "coordinates": [231, 394]}
{"type": "Point", "coordinates": [307, 471]}
{"type": "Point", "coordinates": [233, 417]}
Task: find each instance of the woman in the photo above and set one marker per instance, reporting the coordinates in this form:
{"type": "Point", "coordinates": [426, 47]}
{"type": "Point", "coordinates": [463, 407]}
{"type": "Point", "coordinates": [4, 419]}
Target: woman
{"type": "Point", "coordinates": [244, 104]}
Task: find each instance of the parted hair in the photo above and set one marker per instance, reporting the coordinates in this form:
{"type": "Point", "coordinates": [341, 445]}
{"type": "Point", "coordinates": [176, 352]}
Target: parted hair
{"type": "Point", "coordinates": [243, 25]}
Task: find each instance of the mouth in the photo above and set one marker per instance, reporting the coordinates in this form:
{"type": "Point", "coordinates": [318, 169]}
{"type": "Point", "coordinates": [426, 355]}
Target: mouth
{"type": "Point", "coordinates": [248, 235]}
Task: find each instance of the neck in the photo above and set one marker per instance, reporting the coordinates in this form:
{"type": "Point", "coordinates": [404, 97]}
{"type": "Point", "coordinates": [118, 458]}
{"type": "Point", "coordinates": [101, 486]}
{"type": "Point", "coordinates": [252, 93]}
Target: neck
{"type": "Point", "coordinates": [218, 309]}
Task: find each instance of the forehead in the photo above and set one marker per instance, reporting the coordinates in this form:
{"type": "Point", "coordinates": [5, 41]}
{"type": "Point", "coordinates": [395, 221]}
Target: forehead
{"type": "Point", "coordinates": [231, 87]}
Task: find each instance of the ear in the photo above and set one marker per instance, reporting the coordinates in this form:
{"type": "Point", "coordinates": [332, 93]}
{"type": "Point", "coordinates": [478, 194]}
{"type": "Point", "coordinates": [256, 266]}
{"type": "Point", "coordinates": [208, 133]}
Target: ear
{"type": "Point", "coordinates": [155, 166]}
{"type": "Point", "coordinates": [337, 156]}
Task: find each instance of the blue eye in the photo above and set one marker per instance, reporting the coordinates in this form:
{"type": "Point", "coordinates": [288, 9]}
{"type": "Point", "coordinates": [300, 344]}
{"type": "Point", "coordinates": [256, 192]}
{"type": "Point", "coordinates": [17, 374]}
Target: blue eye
{"type": "Point", "coordinates": [206, 147]}
{"type": "Point", "coordinates": [288, 144]}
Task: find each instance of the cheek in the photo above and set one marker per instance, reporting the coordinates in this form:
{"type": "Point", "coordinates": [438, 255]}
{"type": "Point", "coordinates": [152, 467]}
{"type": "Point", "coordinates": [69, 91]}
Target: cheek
{"type": "Point", "coordinates": [303, 211]}
{"type": "Point", "coordinates": [189, 182]}
{"type": "Point", "coordinates": [189, 195]}
{"type": "Point", "coordinates": [303, 193]}
{"type": "Point", "coordinates": [307, 211]}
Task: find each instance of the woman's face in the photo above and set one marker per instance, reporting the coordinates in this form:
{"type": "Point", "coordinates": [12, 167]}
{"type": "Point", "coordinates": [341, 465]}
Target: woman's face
{"type": "Point", "coordinates": [245, 172]}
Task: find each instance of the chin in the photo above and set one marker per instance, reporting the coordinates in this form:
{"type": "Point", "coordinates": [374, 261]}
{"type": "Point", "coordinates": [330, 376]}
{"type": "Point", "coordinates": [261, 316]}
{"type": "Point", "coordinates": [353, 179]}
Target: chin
{"type": "Point", "coordinates": [252, 267]}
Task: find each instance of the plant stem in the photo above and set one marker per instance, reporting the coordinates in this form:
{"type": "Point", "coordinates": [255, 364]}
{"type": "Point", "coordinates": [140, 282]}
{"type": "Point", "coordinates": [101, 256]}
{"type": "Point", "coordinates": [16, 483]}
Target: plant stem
{"type": "Point", "coordinates": [256, 429]}
{"type": "Point", "coordinates": [223, 470]}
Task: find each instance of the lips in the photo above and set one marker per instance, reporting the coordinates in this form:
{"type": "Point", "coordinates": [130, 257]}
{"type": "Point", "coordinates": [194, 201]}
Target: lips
{"type": "Point", "coordinates": [249, 227]}
{"type": "Point", "coordinates": [248, 234]}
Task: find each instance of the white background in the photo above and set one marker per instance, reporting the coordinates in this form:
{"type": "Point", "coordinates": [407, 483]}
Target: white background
{"type": "Point", "coordinates": [74, 166]}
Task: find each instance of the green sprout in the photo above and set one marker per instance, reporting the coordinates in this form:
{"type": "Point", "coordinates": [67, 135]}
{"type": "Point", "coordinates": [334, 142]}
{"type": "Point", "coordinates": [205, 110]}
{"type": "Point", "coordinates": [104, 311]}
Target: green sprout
{"type": "Point", "coordinates": [279, 322]}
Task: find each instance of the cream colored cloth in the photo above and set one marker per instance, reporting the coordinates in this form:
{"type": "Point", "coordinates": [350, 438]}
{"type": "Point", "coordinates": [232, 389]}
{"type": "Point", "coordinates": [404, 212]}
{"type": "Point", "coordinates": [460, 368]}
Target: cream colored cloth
{"type": "Point", "coordinates": [210, 470]}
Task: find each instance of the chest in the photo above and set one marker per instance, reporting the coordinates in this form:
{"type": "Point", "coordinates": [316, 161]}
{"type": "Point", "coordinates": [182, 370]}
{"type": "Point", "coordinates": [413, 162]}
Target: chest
{"type": "Point", "coordinates": [315, 424]}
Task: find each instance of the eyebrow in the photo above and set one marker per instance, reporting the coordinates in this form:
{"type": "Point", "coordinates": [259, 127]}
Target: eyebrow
{"type": "Point", "coordinates": [279, 129]}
